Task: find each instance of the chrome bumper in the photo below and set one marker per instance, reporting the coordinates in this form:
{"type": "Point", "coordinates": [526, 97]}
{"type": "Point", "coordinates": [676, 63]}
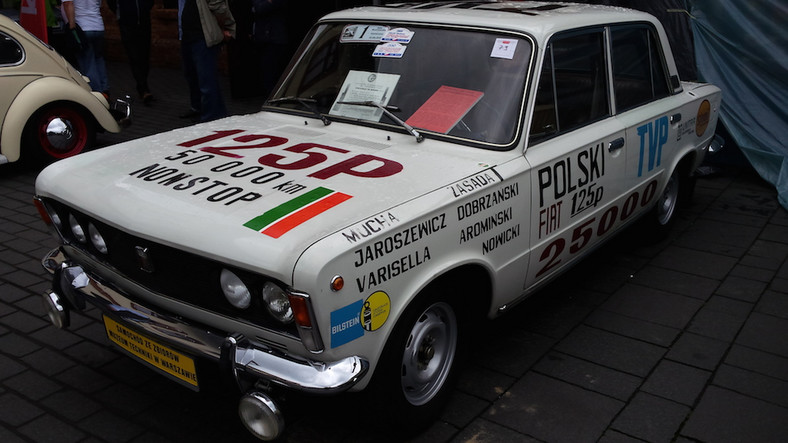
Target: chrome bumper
{"type": "Point", "coordinates": [247, 361]}
{"type": "Point", "coordinates": [121, 111]}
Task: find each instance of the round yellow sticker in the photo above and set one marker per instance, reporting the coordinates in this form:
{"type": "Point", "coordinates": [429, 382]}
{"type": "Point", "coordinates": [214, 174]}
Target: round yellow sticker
{"type": "Point", "coordinates": [375, 311]}
{"type": "Point", "coordinates": [702, 120]}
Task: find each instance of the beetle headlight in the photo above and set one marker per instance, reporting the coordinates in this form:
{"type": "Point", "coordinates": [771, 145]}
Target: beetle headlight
{"type": "Point", "coordinates": [235, 290]}
{"type": "Point", "coordinates": [277, 302]}
{"type": "Point", "coordinates": [97, 239]}
{"type": "Point", "coordinates": [76, 229]}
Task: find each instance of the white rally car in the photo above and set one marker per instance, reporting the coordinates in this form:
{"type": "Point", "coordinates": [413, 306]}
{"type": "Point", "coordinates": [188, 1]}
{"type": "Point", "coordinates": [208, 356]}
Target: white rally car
{"type": "Point", "coordinates": [419, 167]}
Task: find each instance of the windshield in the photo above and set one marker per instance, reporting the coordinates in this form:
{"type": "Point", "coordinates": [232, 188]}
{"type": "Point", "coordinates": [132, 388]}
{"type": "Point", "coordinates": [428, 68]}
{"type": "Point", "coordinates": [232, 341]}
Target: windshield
{"type": "Point", "coordinates": [442, 82]}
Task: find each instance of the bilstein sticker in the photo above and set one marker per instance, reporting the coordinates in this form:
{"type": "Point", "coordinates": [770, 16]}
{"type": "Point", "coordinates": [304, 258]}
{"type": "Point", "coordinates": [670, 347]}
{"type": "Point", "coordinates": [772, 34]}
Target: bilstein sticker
{"type": "Point", "coordinates": [376, 311]}
{"type": "Point", "coordinates": [350, 322]}
{"type": "Point", "coordinates": [346, 324]}
{"type": "Point", "coordinates": [281, 219]}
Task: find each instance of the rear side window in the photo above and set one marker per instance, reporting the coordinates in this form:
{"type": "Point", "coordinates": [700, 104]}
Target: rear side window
{"type": "Point", "coordinates": [573, 87]}
{"type": "Point", "coordinates": [638, 68]}
{"type": "Point", "coordinates": [10, 51]}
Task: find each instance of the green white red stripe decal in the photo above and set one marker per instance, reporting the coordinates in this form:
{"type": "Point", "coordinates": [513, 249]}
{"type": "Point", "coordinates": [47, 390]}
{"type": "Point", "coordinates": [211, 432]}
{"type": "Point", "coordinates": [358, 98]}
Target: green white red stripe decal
{"type": "Point", "coordinates": [279, 220]}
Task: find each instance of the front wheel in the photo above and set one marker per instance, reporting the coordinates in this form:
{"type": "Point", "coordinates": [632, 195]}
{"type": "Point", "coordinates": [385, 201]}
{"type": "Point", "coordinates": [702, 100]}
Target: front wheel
{"type": "Point", "coordinates": [58, 131]}
{"type": "Point", "coordinates": [417, 368]}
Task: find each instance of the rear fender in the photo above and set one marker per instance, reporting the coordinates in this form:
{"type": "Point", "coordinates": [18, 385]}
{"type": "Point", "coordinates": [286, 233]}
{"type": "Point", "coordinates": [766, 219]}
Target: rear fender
{"type": "Point", "coordinates": [38, 94]}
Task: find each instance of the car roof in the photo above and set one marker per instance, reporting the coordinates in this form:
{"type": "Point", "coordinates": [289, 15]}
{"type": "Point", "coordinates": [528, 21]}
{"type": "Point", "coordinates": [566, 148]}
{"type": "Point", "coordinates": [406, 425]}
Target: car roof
{"type": "Point", "coordinates": [540, 19]}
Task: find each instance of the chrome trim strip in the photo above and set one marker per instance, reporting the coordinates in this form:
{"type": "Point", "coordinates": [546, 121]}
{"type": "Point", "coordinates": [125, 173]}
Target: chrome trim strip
{"type": "Point", "coordinates": [246, 358]}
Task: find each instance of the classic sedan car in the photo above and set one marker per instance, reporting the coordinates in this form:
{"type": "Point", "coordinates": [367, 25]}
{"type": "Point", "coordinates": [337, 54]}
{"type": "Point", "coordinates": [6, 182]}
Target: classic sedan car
{"type": "Point", "coordinates": [47, 110]}
{"type": "Point", "coordinates": [417, 169]}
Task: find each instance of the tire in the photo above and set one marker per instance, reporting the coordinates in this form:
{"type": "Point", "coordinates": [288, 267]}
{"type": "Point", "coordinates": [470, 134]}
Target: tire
{"type": "Point", "coordinates": [677, 192]}
{"type": "Point", "coordinates": [58, 131]}
{"type": "Point", "coordinates": [416, 373]}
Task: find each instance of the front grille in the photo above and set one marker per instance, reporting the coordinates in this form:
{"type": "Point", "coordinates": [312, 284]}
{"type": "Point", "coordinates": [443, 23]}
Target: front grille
{"type": "Point", "coordinates": [170, 272]}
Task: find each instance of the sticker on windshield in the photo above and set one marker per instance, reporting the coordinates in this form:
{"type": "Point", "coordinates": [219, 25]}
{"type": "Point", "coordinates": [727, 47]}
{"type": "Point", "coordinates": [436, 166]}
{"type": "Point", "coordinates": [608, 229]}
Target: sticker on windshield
{"type": "Point", "coordinates": [504, 48]}
{"type": "Point", "coordinates": [399, 35]}
{"type": "Point", "coordinates": [389, 50]}
{"type": "Point", "coordinates": [361, 92]}
{"type": "Point", "coordinates": [363, 33]}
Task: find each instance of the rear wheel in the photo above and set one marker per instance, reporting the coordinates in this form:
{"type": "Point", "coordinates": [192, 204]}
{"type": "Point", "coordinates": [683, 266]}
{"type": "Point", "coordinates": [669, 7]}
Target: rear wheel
{"type": "Point", "coordinates": [663, 216]}
{"type": "Point", "coordinates": [417, 368]}
{"type": "Point", "coordinates": [58, 131]}
{"type": "Point", "coordinates": [665, 210]}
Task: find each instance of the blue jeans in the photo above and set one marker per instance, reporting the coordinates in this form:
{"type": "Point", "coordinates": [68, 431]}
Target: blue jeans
{"type": "Point", "coordinates": [201, 68]}
{"type": "Point", "coordinates": [91, 61]}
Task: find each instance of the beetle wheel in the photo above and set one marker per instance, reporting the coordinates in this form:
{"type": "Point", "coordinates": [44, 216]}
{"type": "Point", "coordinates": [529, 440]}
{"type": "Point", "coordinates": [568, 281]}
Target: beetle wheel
{"type": "Point", "coordinates": [59, 131]}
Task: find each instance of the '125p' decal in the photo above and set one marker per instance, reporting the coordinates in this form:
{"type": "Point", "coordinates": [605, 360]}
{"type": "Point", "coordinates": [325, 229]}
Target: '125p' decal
{"type": "Point", "coordinates": [306, 155]}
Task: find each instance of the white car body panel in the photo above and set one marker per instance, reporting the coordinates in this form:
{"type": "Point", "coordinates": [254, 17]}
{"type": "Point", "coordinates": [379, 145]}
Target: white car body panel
{"type": "Point", "coordinates": [397, 214]}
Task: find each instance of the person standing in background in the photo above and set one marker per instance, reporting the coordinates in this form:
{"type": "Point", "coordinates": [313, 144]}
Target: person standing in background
{"type": "Point", "coordinates": [203, 26]}
{"type": "Point", "coordinates": [135, 32]}
{"type": "Point", "coordinates": [269, 33]}
{"type": "Point", "coordinates": [86, 15]}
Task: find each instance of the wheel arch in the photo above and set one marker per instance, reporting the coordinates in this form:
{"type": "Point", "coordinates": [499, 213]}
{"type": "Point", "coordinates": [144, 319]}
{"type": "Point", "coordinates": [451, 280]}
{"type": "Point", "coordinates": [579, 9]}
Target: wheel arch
{"type": "Point", "coordinates": [37, 95]}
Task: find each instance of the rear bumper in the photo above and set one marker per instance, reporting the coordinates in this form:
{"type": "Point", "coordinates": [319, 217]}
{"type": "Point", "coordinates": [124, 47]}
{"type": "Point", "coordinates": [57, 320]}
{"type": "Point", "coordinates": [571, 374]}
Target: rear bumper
{"type": "Point", "coordinates": [244, 360]}
{"type": "Point", "coordinates": [121, 111]}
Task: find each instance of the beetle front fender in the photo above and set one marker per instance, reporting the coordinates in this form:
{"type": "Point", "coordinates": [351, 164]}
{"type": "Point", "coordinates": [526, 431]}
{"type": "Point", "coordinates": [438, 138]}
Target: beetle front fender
{"type": "Point", "coordinates": [38, 94]}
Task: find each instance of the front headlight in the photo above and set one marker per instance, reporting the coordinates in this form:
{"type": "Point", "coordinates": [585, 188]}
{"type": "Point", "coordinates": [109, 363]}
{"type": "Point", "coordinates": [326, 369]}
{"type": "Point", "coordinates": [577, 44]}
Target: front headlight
{"type": "Point", "coordinates": [235, 290]}
{"type": "Point", "coordinates": [277, 302]}
{"type": "Point", "coordinates": [97, 239]}
{"type": "Point", "coordinates": [76, 229]}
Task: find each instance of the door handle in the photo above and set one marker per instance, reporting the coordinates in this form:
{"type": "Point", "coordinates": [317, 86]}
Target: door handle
{"type": "Point", "coordinates": [675, 118]}
{"type": "Point", "coordinates": [616, 144]}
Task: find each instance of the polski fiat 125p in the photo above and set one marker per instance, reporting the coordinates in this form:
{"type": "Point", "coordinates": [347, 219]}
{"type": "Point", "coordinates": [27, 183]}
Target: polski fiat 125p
{"type": "Point", "coordinates": [418, 168]}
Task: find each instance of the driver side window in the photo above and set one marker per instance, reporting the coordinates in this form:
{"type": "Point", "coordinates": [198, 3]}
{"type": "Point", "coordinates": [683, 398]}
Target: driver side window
{"type": "Point", "coordinates": [573, 87]}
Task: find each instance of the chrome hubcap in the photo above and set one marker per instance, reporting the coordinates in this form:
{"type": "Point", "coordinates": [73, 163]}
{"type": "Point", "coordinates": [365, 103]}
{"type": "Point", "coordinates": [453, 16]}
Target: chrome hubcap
{"type": "Point", "coordinates": [60, 133]}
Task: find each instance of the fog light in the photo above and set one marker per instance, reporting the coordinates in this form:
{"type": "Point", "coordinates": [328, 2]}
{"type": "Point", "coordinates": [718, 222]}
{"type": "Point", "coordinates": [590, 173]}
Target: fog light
{"type": "Point", "coordinates": [261, 416]}
{"type": "Point", "coordinates": [235, 290]}
{"type": "Point", "coordinates": [55, 310]}
{"type": "Point", "coordinates": [277, 302]}
{"type": "Point", "coordinates": [76, 229]}
{"type": "Point", "coordinates": [97, 239]}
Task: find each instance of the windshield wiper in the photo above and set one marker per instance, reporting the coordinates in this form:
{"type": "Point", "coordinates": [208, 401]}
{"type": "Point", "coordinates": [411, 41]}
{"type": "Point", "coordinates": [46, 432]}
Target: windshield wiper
{"type": "Point", "coordinates": [387, 110]}
{"type": "Point", "coordinates": [308, 103]}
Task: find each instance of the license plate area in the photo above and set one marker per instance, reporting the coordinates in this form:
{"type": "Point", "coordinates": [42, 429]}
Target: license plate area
{"type": "Point", "coordinates": [164, 359]}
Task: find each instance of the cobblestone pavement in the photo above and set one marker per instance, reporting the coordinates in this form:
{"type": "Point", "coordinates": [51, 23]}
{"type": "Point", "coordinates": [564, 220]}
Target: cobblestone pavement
{"type": "Point", "coordinates": [681, 340]}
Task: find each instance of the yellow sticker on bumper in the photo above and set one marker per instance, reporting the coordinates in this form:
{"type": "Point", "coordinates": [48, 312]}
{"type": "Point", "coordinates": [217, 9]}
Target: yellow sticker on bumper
{"type": "Point", "coordinates": [161, 357]}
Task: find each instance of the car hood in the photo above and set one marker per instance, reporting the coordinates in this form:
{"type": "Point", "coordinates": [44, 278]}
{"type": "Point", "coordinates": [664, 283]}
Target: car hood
{"type": "Point", "coordinates": [255, 191]}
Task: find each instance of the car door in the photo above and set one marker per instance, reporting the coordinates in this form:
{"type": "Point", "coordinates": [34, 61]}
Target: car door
{"type": "Point", "coordinates": [643, 101]}
{"type": "Point", "coordinates": [575, 153]}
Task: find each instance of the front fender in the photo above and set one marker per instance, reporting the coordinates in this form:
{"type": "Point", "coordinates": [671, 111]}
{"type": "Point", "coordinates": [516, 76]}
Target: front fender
{"type": "Point", "coordinates": [38, 94]}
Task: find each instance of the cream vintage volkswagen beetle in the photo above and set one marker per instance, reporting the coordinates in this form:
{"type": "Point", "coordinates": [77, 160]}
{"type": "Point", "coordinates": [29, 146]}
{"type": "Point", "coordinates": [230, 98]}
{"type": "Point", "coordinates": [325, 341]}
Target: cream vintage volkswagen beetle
{"type": "Point", "coordinates": [47, 110]}
{"type": "Point", "coordinates": [418, 169]}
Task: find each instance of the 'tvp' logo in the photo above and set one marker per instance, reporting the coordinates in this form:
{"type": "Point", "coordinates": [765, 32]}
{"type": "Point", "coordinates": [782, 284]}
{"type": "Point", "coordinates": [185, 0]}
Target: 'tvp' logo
{"type": "Point", "coordinates": [656, 133]}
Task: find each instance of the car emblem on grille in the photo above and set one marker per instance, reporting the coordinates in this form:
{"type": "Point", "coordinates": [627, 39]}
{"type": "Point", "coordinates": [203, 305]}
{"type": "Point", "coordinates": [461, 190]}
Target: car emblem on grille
{"type": "Point", "coordinates": [143, 259]}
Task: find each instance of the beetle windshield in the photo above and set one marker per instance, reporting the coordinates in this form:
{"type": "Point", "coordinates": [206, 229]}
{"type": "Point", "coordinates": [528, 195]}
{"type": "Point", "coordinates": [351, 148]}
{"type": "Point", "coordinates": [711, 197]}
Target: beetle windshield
{"type": "Point", "coordinates": [464, 84]}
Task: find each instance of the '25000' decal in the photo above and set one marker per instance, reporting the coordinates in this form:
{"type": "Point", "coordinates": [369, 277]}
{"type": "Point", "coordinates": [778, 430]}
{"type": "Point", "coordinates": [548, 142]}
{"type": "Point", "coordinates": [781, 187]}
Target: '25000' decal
{"type": "Point", "coordinates": [299, 156]}
{"type": "Point", "coordinates": [594, 228]}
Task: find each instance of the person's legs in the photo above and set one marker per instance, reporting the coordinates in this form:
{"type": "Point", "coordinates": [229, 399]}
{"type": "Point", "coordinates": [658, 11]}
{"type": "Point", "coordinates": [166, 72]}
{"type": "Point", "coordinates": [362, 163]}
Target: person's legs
{"type": "Point", "coordinates": [93, 56]}
{"type": "Point", "coordinates": [206, 63]}
{"type": "Point", "coordinates": [190, 72]}
{"type": "Point", "coordinates": [87, 65]}
{"type": "Point", "coordinates": [137, 45]}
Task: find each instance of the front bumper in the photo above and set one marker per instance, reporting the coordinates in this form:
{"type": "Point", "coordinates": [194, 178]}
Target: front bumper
{"type": "Point", "coordinates": [245, 361]}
